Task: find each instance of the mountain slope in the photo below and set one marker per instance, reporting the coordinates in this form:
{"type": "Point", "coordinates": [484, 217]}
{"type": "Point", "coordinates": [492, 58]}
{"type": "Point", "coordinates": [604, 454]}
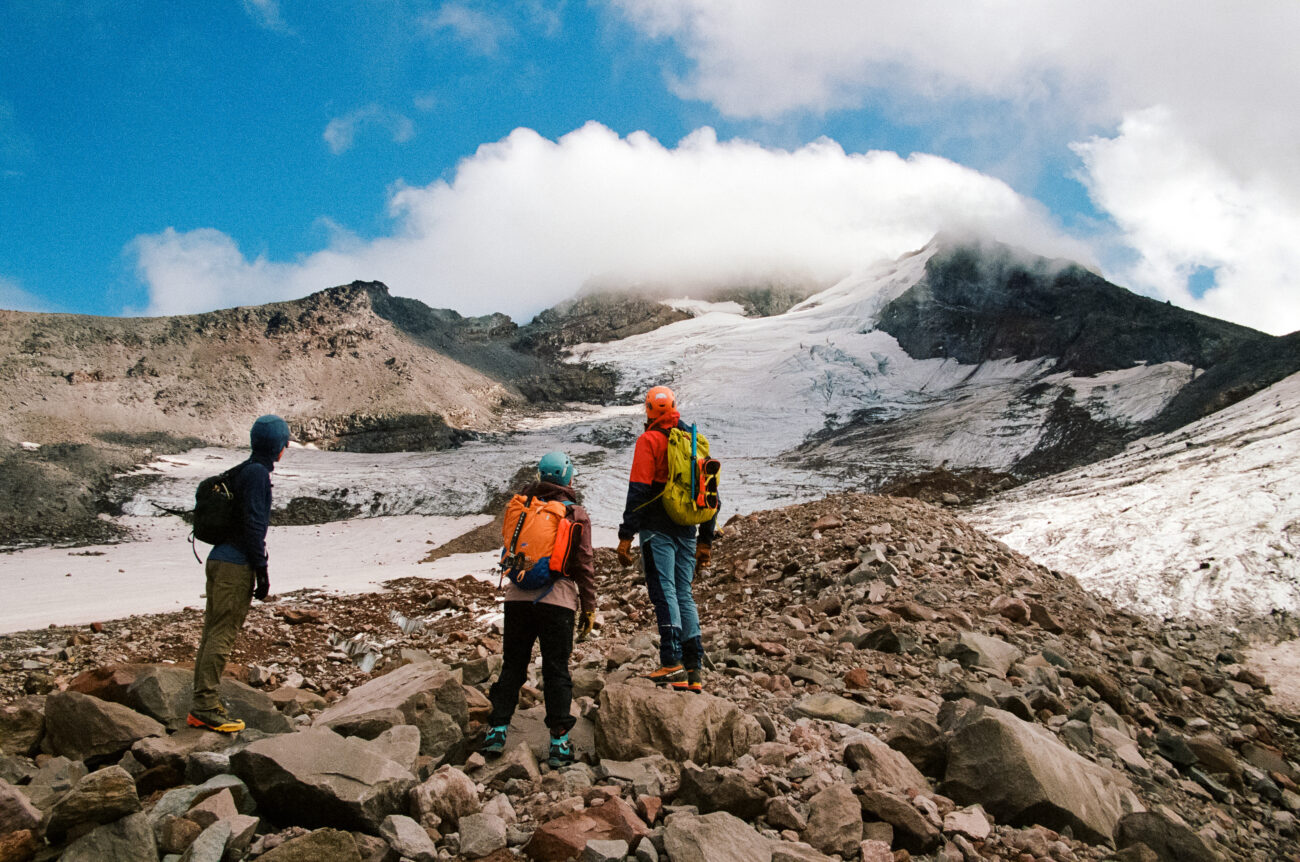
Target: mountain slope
{"type": "Point", "coordinates": [350, 367]}
{"type": "Point", "coordinates": [1204, 520]}
{"type": "Point", "coordinates": [974, 356]}
{"type": "Point", "coordinates": [984, 301]}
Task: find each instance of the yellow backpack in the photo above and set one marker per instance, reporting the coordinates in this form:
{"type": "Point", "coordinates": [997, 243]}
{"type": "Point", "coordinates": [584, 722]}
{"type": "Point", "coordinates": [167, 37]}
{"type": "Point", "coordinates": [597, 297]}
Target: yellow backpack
{"type": "Point", "coordinates": [691, 494]}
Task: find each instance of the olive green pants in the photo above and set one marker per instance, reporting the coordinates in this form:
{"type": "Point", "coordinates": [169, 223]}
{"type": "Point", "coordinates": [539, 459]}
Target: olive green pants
{"type": "Point", "coordinates": [230, 592]}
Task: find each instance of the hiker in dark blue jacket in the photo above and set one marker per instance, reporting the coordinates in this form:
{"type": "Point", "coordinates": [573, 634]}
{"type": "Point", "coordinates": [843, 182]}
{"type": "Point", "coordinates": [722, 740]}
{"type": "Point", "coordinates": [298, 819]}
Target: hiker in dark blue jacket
{"type": "Point", "coordinates": [236, 574]}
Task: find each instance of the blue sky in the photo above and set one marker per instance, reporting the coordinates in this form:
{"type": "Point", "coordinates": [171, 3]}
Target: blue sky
{"type": "Point", "coordinates": [501, 156]}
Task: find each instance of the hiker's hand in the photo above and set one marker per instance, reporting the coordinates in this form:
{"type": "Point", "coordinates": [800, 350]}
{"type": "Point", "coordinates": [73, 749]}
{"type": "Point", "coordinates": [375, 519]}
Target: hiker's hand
{"type": "Point", "coordinates": [625, 552]}
{"type": "Point", "coordinates": [261, 584]}
{"type": "Point", "coordinates": [586, 622]}
{"type": "Point", "coordinates": [703, 553]}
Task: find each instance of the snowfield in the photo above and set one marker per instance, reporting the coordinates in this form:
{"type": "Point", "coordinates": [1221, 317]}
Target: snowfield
{"type": "Point", "coordinates": [763, 386]}
{"type": "Point", "coordinates": [1201, 521]}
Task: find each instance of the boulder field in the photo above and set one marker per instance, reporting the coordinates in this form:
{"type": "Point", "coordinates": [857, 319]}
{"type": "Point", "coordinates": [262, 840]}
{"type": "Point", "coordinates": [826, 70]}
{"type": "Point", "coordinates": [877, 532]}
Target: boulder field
{"type": "Point", "coordinates": [883, 682]}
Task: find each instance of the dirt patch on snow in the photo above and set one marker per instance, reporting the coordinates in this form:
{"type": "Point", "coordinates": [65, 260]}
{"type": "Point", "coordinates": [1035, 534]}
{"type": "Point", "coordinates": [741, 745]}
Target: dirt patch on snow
{"type": "Point", "coordinates": [1280, 665]}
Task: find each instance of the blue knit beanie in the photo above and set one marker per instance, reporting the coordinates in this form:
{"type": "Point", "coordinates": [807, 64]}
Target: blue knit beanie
{"type": "Point", "coordinates": [270, 434]}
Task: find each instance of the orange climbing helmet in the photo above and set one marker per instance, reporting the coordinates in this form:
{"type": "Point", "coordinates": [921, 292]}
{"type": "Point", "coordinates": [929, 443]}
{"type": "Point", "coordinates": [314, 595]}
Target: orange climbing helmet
{"type": "Point", "coordinates": [658, 402]}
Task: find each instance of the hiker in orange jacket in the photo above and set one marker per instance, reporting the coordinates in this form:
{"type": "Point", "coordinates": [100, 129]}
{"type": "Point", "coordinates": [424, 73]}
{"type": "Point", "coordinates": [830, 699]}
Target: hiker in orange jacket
{"type": "Point", "coordinates": [670, 552]}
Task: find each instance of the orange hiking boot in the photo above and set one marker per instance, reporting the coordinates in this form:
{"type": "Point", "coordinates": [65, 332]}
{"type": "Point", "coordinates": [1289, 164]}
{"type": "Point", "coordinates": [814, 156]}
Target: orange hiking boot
{"type": "Point", "coordinates": [214, 719]}
{"type": "Point", "coordinates": [693, 683]}
{"type": "Point", "coordinates": [667, 674]}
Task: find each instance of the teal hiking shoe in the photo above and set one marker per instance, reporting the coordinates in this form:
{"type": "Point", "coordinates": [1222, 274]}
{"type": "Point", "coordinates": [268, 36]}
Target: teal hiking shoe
{"type": "Point", "coordinates": [495, 741]}
{"type": "Point", "coordinates": [561, 752]}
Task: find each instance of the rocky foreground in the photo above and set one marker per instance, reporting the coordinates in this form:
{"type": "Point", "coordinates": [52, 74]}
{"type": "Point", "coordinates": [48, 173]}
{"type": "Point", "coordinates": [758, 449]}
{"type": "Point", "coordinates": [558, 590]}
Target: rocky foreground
{"type": "Point", "coordinates": [887, 683]}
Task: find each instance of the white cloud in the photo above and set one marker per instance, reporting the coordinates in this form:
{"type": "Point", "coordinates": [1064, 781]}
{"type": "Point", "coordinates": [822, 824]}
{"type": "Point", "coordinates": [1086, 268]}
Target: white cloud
{"type": "Point", "coordinates": [14, 298]}
{"type": "Point", "coordinates": [266, 14]}
{"type": "Point", "coordinates": [341, 132]}
{"type": "Point", "coordinates": [546, 18]}
{"type": "Point", "coordinates": [1219, 79]}
{"type": "Point", "coordinates": [1182, 209]}
{"type": "Point", "coordinates": [481, 32]}
{"type": "Point", "coordinates": [527, 221]}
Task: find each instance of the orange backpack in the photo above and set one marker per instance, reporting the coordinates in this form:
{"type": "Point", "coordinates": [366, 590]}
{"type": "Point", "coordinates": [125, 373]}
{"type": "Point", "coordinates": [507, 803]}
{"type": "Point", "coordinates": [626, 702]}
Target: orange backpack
{"type": "Point", "coordinates": [540, 539]}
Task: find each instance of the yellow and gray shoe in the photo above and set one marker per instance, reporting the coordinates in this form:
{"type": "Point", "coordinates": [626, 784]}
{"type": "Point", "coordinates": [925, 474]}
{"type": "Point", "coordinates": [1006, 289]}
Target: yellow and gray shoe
{"type": "Point", "coordinates": [214, 719]}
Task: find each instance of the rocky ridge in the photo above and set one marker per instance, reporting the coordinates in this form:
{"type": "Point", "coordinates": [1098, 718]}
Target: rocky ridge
{"type": "Point", "coordinates": [351, 368]}
{"type": "Point", "coordinates": [885, 683]}
{"type": "Point", "coordinates": [981, 302]}
{"type": "Point", "coordinates": [347, 356]}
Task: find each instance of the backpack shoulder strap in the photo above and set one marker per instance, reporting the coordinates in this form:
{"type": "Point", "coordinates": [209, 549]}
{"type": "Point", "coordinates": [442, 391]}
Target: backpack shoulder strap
{"type": "Point", "coordinates": [519, 526]}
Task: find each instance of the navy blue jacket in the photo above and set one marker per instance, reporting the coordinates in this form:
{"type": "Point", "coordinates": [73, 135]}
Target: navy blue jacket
{"type": "Point", "coordinates": [252, 488]}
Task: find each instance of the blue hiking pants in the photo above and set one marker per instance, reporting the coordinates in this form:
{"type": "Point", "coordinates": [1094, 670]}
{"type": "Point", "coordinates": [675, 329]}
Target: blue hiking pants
{"type": "Point", "coordinates": [669, 571]}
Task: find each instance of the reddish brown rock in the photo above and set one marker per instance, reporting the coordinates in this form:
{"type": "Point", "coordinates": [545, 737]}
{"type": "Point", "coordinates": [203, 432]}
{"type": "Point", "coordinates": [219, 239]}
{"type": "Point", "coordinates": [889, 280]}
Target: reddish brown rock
{"type": "Point", "coordinates": [565, 837]}
{"type": "Point", "coordinates": [109, 682]}
{"type": "Point", "coordinates": [1039, 616]}
{"type": "Point", "coordinates": [176, 834]}
{"type": "Point", "coordinates": [857, 678]}
{"type": "Point", "coordinates": [1013, 609]}
{"type": "Point", "coordinates": [649, 808]}
{"type": "Point", "coordinates": [19, 846]}
{"type": "Point", "coordinates": [299, 616]}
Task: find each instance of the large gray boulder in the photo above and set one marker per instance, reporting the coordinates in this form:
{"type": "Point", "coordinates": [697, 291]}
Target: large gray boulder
{"type": "Point", "coordinates": [878, 767]}
{"type": "Point", "coordinates": [444, 798]}
{"type": "Point", "coordinates": [993, 654]}
{"type": "Point", "coordinates": [636, 720]}
{"type": "Point", "coordinates": [424, 695]}
{"type": "Point", "coordinates": [165, 692]}
{"type": "Point", "coordinates": [913, 832]}
{"type": "Point", "coordinates": [716, 837]}
{"type": "Point", "coordinates": [721, 789]}
{"type": "Point", "coordinates": [80, 727]}
{"type": "Point", "coordinates": [400, 744]}
{"type": "Point", "coordinates": [408, 838]}
{"type": "Point", "coordinates": [832, 707]}
{"type": "Point", "coordinates": [1169, 840]}
{"type": "Point", "coordinates": [21, 725]}
{"type": "Point", "coordinates": [173, 751]}
{"type": "Point", "coordinates": [100, 797]}
{"type": "Point", "coordinates": [210, 846]}
{"type": "Point", "coordinates": [835, 821]}
{"type": "Point", "coordinates": [481, 835]}
{"type": "Point", "coordinates": [1023, 776]}
{"type": "Point", "coordinates": [316, 777]}
{"type": "Point", "coordinates": [55, 778]}
{"type": "Point", "coordinates": [16, 810]}
{"type": "Point", "coordinates": [128, 838]}
{"type": "Point", "coordinates": [323, 845]}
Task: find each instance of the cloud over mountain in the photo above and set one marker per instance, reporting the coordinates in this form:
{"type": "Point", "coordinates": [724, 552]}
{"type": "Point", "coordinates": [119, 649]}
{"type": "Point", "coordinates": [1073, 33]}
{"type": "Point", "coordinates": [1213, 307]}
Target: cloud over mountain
{"type": "Point", "coordinates": [1183, 114]}
{"type": "Point", "coordinates": [526, 222]}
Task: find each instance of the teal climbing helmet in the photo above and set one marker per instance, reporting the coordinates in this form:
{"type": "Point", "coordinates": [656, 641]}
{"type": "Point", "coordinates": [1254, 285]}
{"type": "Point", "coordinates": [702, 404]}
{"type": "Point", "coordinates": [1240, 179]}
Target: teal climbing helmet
{"type": "Point", "coordinates": [556, 468]}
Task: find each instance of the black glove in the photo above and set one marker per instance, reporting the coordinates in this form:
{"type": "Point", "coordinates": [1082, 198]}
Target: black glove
{"type": "Point", "coordinates": [261, 583]}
